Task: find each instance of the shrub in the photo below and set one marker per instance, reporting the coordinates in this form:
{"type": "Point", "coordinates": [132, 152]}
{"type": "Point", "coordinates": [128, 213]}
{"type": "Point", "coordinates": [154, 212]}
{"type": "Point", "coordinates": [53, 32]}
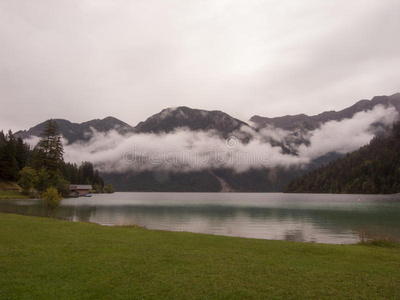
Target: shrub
{"type": "Point", "coordinates": [108, 189]}
{"type": "Point", "coordinates": [52, 198]}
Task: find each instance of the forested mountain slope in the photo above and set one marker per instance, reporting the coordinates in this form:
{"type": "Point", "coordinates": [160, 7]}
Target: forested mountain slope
{"type": "Point", "coordinates": [373, 169]}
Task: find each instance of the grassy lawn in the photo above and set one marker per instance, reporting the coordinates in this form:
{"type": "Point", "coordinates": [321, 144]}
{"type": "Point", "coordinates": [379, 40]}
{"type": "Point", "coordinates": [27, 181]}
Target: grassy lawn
{"type": "Point", "coordinates": [12, 195]}
{"type": "Point", "coordinates": [52, 259]}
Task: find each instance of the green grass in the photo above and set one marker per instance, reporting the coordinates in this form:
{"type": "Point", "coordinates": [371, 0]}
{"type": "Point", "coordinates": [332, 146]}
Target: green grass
{"type": "Point", "coordinates": [11, 190]}
{"type": "Point", "coordinates": [13, 195]}
{"type": "Point", "coordinates": [44, 258]}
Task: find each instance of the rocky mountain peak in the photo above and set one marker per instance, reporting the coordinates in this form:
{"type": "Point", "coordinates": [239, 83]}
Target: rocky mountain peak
{"type": "Point", "coordinates": [170, 119]}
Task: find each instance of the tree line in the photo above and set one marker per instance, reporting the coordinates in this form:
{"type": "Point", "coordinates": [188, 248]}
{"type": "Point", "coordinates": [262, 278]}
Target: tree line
{"type": "Point", "coordinates": [43, 166]}
{"type": "Point", "coordinates": [373, 169]}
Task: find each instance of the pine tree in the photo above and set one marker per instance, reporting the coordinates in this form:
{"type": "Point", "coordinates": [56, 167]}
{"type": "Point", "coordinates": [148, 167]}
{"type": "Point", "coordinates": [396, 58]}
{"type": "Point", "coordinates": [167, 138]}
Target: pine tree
{"type": "Point", "coordinates": [8, 163]}
{"type": "Point", "coordinates": [2, 139]}
{"type": "Point", "coordinates": [50, 148]}
{"type": "Point", "coordinates": [86, 171]}
{"type": "Point", "coordinates": [21, 153]}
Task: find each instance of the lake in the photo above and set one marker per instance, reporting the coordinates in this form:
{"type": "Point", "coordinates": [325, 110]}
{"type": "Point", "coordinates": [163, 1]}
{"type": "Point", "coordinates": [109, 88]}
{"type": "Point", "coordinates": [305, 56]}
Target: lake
{"type": "Point", "coordinates": [319, 218]}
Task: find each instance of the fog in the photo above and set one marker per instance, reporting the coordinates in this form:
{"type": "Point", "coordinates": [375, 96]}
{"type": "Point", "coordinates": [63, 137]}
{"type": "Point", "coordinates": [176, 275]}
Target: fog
{"type": "Point", "coordinates": [184, 150]}
{"type": "Point", "coordinates": [180, 151]}
{"type": "Point", "coordinates": [349, 134]}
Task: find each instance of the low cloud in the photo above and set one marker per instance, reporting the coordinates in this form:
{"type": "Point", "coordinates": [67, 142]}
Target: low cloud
{"type": "Point", "coordinates": [349, 134]}
{"type": "Point", "coordinates": [180, 151]}
{"type": "Point", "coordinates": [184, 150]}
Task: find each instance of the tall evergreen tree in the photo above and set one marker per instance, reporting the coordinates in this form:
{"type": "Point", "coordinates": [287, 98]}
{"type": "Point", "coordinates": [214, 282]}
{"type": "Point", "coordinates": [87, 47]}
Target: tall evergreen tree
{"type": "Point", "coordinates": [97, 179]}
{"type": "Point", "coordinates": [50, 149]}
{"type": "Point", "coordinates": [21, 153]}
{"type": "Point", "coordinates": [86, 171]}
{"type": "Point", "coordinates": [8, 164]}
{"type": "Point", "coordinates": [2, 139]}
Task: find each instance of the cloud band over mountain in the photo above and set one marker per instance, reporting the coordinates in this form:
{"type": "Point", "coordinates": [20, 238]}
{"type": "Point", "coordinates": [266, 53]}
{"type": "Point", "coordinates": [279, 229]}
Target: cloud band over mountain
{"type": "Point", "coordinates": [185, 150]}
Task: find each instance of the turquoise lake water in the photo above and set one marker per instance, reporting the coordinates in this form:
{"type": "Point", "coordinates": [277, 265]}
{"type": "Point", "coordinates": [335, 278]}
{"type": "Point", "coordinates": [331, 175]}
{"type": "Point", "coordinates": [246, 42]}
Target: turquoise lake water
{"type": "Point", "coordinates": [320, 218]}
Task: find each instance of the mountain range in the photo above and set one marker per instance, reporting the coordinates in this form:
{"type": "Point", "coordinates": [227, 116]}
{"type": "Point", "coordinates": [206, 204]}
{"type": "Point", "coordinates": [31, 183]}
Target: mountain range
{"type": "Point", "coordinates": [305, 122]}
{"type": "Point", "coordinates": [290, 134]}
{"type": "Point", "coordinates": [170, 119]}
{"type": "Point", "coordinates": [73, 132]}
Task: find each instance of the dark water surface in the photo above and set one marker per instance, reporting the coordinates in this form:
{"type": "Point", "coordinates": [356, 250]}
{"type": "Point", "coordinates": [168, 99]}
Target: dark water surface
{"type": "Point", "coordinates": [320, 218]}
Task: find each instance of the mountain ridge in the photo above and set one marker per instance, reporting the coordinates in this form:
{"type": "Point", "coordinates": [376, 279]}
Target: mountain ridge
{"type": "Point", "coordinates": [170, 119]}
{"type": "Point", "coordinates": [78, 131]}
{"type": "Point", "coordinates": [305, 122]}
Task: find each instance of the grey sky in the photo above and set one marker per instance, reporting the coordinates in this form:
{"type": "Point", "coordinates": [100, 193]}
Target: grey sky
{"type": "Point", "coordinates": [81, 60]}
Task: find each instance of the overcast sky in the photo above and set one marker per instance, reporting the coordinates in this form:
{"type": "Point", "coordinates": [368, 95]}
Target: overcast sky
{"type": "Point", "coordinates": [87, 59]}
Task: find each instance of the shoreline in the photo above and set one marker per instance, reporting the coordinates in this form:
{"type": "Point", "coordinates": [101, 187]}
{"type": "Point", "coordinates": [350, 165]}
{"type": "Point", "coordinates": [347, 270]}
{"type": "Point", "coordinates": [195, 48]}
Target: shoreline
{"type": "Point", "coordinates": [373, 239]}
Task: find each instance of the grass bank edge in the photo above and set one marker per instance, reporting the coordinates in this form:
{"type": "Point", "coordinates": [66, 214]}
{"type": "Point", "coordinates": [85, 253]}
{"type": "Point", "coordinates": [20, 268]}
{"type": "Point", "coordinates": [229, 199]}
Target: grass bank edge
{"type": "Point", "coordinates": [46, 257]}
{"type": "Point", "coordinates": [368, 240]}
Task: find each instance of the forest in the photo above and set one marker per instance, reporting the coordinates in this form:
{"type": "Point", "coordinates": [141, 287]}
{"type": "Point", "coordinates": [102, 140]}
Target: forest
{"type": "Point", "coordinates": [43, 166]}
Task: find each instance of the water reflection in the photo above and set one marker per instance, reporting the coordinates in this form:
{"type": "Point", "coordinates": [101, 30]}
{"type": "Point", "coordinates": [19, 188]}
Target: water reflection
{"type": "Point", "coordinates": [306, 218]}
